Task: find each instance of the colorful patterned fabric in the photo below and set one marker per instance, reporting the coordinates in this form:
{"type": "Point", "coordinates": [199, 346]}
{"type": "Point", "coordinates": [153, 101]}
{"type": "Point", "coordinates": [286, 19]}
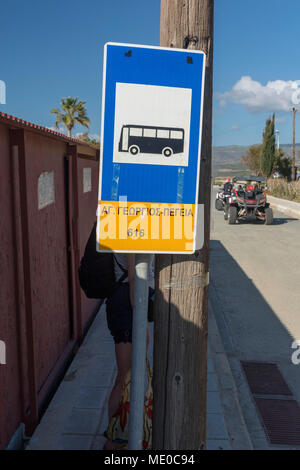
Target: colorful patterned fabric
{"type": "Point", "coordinates": [118, 426]}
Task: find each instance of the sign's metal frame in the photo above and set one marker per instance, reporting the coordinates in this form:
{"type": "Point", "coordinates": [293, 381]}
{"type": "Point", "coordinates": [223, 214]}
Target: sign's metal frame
{"type": "Point", "coordinates": [196, 222]}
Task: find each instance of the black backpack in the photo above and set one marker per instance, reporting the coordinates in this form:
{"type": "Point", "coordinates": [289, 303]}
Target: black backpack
{"type": "Point", "coordinates": [96, 271]}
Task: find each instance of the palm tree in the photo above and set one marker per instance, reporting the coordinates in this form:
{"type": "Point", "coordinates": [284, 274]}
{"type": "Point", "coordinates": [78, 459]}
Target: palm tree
{"type": "Point", "coordinates": [73, 112]}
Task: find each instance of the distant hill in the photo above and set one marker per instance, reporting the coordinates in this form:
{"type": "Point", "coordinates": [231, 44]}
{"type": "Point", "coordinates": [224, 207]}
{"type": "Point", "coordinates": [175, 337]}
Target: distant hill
{"type": "Point", "coordinates": [228, 154]}
{"type": "Point", "coordinates": [229, 157]}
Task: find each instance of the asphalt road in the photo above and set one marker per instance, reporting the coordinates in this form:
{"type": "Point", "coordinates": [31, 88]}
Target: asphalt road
{"type": "Point", "coordinates": [255, 291]}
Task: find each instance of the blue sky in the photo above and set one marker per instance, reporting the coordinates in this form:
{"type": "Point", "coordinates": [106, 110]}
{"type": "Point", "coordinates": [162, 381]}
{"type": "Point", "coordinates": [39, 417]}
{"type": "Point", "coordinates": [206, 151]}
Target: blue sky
{"type": "Point", "coordinates": [54, 49]}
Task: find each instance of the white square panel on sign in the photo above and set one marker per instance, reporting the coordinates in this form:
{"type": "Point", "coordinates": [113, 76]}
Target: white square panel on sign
{"type": "Point", "coordinates": [152, 124]}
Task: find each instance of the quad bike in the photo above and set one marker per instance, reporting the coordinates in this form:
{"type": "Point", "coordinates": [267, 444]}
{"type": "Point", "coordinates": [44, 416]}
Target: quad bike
{"type": "Point", "coordinates": [221, 200]}
{"type": "Point", "coordinates": [248, 201]}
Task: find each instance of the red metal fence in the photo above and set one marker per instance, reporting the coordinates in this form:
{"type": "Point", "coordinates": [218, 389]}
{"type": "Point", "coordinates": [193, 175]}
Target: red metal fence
{"type": "Point", "coordinates": [48, 202]}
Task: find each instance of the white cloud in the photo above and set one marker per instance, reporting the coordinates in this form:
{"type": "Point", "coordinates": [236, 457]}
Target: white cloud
{"type": "Point", "coordinates": [61, 130]}
{"type": "Point", "coordinates": [280, 119]}
{"type": "Point", "coordinates": [275, 96]}
{"type": "Point", "coordinates": [95, 136]}
{"type": "Point", "coordinates": [234, 128]}
{"type": "Point", "coordinates": [222, 103]}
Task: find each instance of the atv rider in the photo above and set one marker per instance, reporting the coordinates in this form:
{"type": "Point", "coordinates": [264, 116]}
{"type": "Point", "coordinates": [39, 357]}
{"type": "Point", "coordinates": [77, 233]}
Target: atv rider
{"type": "Point", "coordinates": [227, 193]}
{"type": "Point", "coordinates": [227, 187]}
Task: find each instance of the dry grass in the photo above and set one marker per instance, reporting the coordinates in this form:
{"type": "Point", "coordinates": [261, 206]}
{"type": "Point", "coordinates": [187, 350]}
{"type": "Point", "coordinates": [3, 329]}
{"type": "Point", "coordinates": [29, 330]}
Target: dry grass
{"type": "Point", "coordinates": [219, 181]}
{"type": "Point", "coordinates": [283, 189]}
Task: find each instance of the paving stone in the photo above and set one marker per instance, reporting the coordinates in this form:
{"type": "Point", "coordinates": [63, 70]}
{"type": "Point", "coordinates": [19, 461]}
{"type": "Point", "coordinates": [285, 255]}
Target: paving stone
{"type": "Point", "coordinates": [212, 384]}
{"type": "Point", "coordinates": [210, 367]}
{"type": "Point", "coordinates": [92, 397]}
{"type": "Point", "coordinates": [98, 443]}
{"type": "Point", "coordinates": [97, 348]}
{"type": "Point", "coordinates": [100, 378]}
{"type": "Point", "coordinates": [82, 421]}
{"type": "Point", "coordinates": [75, 442]}
{"type": "Point", "coordinates": [217, 444]}
{"type": "Point", "coordinates": [101, 363]}
{"type": "Point", "coordinates": [215, 426]}
{"type": "Point", "coordinates": [77, 417]}
{"type": "Point", "coordinates": [103, 422]}
{"type": "Point", "coordinates": [213, 403]}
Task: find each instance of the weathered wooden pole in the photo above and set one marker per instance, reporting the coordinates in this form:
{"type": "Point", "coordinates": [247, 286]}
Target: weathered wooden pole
{"type": "Point", "coordinates": [181, 300]}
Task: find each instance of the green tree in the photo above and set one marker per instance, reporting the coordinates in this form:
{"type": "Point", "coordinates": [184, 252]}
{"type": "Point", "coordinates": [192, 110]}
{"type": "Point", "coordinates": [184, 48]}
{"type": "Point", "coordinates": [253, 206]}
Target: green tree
{"type": "Point", "coordinates": [73, 112]}
{"type": "Point", "coordinates": [86, 138]}
{"type": "Point", "coordinates": [267, 155]}
{"type": "Point", "coordinates": [251, 159]}
{"type": "Point", "coordinates": [282, 164]}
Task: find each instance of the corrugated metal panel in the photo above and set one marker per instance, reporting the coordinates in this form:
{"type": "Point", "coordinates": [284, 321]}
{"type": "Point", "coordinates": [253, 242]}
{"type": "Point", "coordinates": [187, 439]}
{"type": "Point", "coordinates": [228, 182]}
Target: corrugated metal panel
{"type": "Point", "coordinates": [43, 216]}
{"type": "Point", "coordinates": [47, 250]}
{"type": "Point", "coordinates": [88, 176]}
{"type": "Point", "coordinates": [10, 405]}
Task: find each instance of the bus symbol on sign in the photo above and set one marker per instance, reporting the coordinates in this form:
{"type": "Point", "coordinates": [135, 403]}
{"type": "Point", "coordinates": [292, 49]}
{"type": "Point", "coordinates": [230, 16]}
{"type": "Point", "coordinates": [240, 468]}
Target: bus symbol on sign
{"type": "Point", "coordinates": [150, 139]}
{"type": "Point", "coordinates": [152, 124]}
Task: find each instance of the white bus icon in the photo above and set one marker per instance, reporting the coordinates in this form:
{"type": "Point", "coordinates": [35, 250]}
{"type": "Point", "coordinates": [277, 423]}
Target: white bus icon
{"type": "Point", "coordinates": [150, 139]}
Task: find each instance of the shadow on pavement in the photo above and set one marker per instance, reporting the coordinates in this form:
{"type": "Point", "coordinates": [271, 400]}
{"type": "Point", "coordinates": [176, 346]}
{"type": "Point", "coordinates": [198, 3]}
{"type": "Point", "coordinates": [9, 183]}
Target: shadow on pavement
{"type": "Point", "coordinates": [276, 221]}
{"type": "Point", "coordinates": [283, 220]}
{"type": "Point", "coordinates": [247, 309]}
{"type": "Point", "coordinates": [250, 329]}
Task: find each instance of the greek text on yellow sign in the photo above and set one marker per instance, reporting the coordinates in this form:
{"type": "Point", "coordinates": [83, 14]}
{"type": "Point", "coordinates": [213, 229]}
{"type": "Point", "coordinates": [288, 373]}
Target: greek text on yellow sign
{"type": "Point", "coordinates": [145, 227]}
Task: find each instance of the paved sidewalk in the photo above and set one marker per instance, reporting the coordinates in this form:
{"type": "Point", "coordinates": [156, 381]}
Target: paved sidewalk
{"type": "Point", "coordinates": [77, 414]}
{"type": "Point", "coordinates": [283, 205]}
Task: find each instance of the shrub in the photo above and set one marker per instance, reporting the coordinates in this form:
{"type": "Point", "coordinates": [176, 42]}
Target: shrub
{"type": "Point", "coordinates": [281, 188]}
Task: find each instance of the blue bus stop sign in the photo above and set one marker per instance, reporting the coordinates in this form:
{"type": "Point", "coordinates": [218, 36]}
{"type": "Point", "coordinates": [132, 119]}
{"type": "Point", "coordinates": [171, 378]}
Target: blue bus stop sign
{"type": "Point", "coordinates": [152, 105]}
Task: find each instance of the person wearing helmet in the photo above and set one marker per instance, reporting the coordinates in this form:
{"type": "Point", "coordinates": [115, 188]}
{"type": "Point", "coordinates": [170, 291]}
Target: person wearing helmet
{"type": "Point", "coordinates": [227, 187]}
{"type": "Point", "coordinates": [250, 190]}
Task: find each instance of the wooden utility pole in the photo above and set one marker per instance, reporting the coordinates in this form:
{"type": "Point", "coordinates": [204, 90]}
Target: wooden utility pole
{"type": "Point", "coordinates": [181, 299]}
{"type": "Point", "coordinates": [293, 147]}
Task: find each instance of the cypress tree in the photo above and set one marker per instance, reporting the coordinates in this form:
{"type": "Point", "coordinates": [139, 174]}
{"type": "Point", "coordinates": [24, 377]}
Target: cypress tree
{"type": "Point", "coordinates": [267, 156]}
